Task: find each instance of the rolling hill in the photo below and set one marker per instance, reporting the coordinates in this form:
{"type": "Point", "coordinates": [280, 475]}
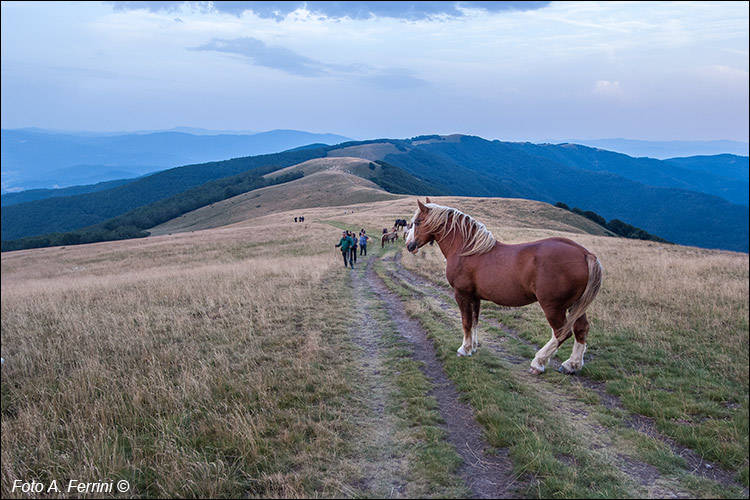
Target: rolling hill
{"type": "Point", "coordinates": [671, 199]}
{"type": "Point", "coordinates": [334, 182]}
{"type": "Point", "coordinates": [324, 183]}
{"type": "Point", "coordinates": [593, 183]}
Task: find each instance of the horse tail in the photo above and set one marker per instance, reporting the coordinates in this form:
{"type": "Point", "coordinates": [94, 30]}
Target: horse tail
{"type": "Point", "coordinates": [589, 294]}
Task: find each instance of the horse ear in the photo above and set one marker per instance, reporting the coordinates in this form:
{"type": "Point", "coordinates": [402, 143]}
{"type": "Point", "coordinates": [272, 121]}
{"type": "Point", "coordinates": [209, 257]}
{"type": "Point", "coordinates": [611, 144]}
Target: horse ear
{"type": "Point", "coordinates": [427, 200]}
{"type": "Point", "coordinates": [422, 208]}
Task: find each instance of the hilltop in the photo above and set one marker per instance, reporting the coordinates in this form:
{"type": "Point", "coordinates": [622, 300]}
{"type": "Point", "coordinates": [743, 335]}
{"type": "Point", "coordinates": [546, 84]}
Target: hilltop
{"type": "Point", "coordinates": [329, 182]}
{"type": "Point", "coordinates": [325, 183]}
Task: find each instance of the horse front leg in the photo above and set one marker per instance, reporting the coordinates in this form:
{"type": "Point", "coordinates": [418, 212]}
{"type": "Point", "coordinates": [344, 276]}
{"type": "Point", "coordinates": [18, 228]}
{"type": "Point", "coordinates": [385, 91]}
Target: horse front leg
{"type": "Point", "coordinates": [466, 306]}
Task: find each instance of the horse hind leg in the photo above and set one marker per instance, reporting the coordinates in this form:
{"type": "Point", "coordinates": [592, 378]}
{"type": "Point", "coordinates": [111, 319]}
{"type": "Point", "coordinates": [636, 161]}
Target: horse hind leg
{"type": "Point", "coordinates": [475, 326]}
{"type": "Point", "coordinates": [466, 306]}
{"type": "Point", "coordinates": [556, 320]}
{"type": "Point", "coordinates": [575, 362]}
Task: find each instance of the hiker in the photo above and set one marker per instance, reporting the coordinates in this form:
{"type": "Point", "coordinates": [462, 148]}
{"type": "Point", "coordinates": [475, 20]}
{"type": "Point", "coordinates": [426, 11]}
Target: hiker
{"type": "Point", "coordinates": [355, 242]}
{"type": "Point", "coordinates": [363, 242]}
{"type": "Point", "coordinates": [345, 243]}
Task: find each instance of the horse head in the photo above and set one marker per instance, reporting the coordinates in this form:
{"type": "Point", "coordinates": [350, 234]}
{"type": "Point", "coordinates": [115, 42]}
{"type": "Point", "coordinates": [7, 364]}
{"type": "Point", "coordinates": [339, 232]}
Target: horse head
{"type": "Point", "coordinates": [416, 236]}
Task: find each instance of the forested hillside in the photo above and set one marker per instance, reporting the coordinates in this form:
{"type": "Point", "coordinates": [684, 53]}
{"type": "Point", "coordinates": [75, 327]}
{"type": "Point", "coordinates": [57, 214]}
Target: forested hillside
{"type": "Point", "coordinates": [669, 199]}
{"type": "Point", "coordinates": [548, 173]}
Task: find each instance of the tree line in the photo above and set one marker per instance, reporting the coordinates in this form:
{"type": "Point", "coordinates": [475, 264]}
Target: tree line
{"type": "Point", "coordinates": [617, 226]}
{"type": "Point", "coordinates": [134, 224]}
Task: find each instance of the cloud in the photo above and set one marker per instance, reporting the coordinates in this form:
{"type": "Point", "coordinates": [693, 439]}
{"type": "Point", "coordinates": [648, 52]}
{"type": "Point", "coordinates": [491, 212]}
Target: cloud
{"type": "Point", "coordinates": [609, 89]}
{"type": "Point", "coordinates": [270, 57]}
{"type": "Point", "coordinates": [338, 10]}
{"type": "Point", "coordinates": [288, 61]}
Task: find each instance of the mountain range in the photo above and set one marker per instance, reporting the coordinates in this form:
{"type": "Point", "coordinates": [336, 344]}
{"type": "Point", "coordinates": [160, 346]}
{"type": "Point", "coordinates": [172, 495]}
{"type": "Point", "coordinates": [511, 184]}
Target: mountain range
{"type": "Point", "coordinates": [700, 201]}
{"type": "Point", "coordinates": [663, 150]}
{"type": "Point", "coordinates": [41, 159]}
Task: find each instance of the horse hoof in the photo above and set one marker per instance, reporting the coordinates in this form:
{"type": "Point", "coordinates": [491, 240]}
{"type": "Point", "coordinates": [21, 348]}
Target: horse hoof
{"type": "Point", "coordinates": [534, 371]}
{"type": "Point", "coordinates": [566, 371]}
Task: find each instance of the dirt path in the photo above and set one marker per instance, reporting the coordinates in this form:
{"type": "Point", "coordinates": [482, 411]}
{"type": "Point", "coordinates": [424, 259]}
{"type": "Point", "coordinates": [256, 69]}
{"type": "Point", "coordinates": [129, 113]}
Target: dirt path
{"type": "Point", "coordinates": [381, 465]}
{"type": "Point", "coordinates": [487, 474]}
{"type": "Point", "coordinates": [640, 472]}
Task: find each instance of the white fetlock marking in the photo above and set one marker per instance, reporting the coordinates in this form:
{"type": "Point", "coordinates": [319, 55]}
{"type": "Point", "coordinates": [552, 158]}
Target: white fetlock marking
{"type": "Point", "coordinates": [462, 352]}
{"type": "Point", "coordinates": [474, 338]}
{"type": "Point", "coordinates": [575, 362]}
{"type": "Point", "coordinates": [536, 366]}
{"type": "Point", "coordinates": [546, 352]}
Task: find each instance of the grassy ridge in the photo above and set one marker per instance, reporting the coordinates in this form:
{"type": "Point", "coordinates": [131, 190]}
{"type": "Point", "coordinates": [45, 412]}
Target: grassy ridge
{"type": "Point", "coordinates": [221, 363]}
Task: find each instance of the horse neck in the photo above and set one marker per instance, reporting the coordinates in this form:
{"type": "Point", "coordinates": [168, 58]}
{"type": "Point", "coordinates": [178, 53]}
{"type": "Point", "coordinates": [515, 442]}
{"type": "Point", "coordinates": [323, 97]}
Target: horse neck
{"type": "Point", "coordinates": [450, 243]}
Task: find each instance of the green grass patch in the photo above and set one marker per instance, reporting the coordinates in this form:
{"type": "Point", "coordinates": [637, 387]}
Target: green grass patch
{"type": "Point", "coordinates": [514, 418]}
{"type": "Point", "coordinates": [687, 396]}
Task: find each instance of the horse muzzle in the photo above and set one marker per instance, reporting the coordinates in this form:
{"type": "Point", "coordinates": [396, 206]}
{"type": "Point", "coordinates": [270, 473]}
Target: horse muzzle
{"type": "Point", "coordinates": [412, 247]}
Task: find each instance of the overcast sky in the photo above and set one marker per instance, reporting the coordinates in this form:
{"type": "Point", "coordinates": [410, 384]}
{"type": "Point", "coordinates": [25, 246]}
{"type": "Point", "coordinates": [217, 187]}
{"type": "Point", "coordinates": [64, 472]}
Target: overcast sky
{"type": "Point", "coordinates": [522, 71]}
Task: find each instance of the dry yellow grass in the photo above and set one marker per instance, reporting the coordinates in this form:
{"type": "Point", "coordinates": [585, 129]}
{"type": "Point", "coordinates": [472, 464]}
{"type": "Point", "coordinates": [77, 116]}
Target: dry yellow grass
{"type": "Point", "coordinates": [213, 363]}
{"type": "Point", "coordinates": [157, 360]}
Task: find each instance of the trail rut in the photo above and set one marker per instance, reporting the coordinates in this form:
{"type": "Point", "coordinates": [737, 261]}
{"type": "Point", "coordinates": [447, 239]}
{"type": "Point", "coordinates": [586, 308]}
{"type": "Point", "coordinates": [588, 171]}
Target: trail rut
{"type": "Point", "coordinates": [487, 473]}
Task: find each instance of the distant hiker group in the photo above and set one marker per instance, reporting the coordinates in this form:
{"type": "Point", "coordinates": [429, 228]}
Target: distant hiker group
{"type": "Point", "coordinates": [349, 243]}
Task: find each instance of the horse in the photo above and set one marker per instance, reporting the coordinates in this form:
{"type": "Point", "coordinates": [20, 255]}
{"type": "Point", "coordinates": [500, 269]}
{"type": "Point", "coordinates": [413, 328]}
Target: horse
{"type": "Point", "coordinates": [388, 238]}
{"type": "Point", "coordinates": [558, 273]}
{"type": "Point", "coordinates": [400, 223]}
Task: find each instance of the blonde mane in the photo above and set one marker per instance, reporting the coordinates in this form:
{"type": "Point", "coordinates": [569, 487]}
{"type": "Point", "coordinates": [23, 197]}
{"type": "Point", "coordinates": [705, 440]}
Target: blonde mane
{"type": "Point", "coordinates": [442, 221]}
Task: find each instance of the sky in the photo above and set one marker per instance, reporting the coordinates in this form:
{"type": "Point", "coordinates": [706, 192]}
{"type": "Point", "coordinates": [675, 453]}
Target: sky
{"type": "Point", "coordinates": [518, 71]}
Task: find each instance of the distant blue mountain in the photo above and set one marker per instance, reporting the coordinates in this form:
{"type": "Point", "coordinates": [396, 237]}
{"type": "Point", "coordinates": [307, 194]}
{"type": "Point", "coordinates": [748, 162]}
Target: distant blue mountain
{"type": "Point", "coordinates": [662, 150]}
{"type": "Point", "coordinates": [42, 194]}
{"type": "Point", "coordinates": [728, 166]}
{"type": "Point", "coordinates": [668, 203]}
{"type": "Point", "coordinates": [36, 158]}
{"type": "Point", "coordinates": [721, 175]}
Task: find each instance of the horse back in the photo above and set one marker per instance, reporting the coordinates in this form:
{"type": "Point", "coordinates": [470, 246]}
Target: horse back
{"type": "Point", "coordinates": [549, 270]}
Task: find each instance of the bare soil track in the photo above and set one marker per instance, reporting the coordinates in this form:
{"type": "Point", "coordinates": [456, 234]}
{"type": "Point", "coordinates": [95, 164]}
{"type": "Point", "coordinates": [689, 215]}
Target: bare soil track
{"type": "Point", "coordinates": [489, 473]}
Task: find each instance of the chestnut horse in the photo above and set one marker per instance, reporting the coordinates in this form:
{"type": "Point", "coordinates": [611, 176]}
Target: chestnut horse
{"type": "Point", "coordinates": [558, 273]}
